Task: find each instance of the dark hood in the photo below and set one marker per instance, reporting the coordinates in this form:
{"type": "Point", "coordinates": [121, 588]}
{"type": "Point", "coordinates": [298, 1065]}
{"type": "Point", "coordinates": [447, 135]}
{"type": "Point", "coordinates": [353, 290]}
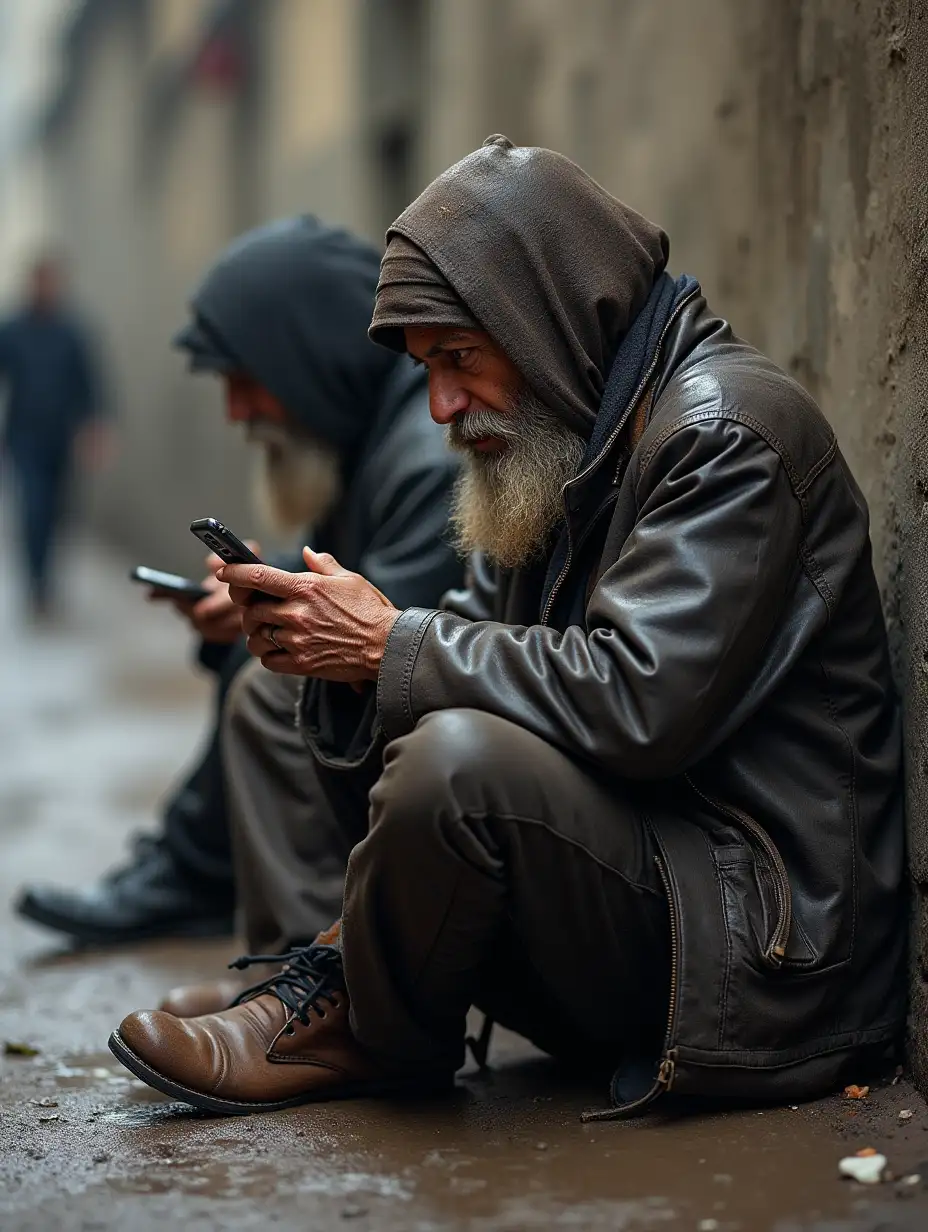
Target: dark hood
{"type": "Point", "coordinates": [553, 267]}
{"type": "Point", "coordinates": [289, 303]}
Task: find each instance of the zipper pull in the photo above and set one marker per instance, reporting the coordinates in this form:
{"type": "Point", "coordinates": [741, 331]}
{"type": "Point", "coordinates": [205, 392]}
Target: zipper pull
{"type": "Point", "coordinates": [666, 1072]}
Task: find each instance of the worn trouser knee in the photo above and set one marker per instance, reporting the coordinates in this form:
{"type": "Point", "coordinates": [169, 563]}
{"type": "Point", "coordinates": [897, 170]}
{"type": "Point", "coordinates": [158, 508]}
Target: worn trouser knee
{"type": "Point", "coordinates": [293, 823]}
{"type": "Point", "coordinates": [482, 835]}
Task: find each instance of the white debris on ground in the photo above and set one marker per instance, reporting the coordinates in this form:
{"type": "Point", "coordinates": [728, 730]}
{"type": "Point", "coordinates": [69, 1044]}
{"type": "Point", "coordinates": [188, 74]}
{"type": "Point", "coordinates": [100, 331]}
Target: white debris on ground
{"type": "Point", "coordinates": [867, 1169]}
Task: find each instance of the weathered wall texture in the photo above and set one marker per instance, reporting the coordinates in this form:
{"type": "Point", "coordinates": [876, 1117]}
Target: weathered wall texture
{"type": "Point", "coordinates": [841, 98]}
{"type": "Point", "coordinates": [843, 151]}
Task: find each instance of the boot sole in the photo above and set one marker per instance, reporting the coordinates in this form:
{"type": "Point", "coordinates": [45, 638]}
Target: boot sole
{"type": "Point", "coordinates": [234, 1107]}
{"type": "Point", "coordinates": [217, 926]}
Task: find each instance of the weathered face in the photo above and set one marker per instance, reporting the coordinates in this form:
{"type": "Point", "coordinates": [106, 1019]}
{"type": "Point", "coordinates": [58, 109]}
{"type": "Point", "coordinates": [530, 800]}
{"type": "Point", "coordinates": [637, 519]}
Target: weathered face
{"type": "Point", "coordinates": [247, 400]}
{"type": "Point", "coordinates": [297, 481]}
{"type": "Point", "coordinates": [467, 372]}
{"type": "Point", "coordinates": [518, 454]}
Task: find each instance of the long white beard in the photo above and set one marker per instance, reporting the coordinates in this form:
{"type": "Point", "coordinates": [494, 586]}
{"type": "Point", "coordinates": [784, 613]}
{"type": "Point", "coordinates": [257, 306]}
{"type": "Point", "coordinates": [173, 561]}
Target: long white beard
{"type": "Point", "coordinates": [296, 480]}
{"type": "Point", "coordinates": [507, 503]}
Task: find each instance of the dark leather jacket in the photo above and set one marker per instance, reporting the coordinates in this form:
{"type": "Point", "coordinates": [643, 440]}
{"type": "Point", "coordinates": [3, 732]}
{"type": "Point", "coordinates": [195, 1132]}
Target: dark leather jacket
{"type": "Point", "coordinates": [731, 672]}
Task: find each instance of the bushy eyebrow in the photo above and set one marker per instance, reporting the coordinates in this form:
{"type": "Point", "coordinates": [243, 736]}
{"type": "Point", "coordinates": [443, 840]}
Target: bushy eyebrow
{"type": "Point", "coordinates": [446, 344]}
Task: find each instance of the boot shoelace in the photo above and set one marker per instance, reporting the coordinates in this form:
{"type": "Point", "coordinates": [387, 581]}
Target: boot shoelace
{"type": "Point", "coordinates": [310, 974]}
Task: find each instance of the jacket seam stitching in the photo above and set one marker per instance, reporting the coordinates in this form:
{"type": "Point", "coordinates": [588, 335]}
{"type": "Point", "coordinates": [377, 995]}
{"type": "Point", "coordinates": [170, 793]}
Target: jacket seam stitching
{"type": "Point", "coordinates": [850, 1039]}
{"type": "Point", "coordinates": [731, 417]}
{"type": "Point", "coordinates": [411, 655]}
{"type": "Point", "coordinates": [405, 703]}
{"type": "Point", "coordinates": [817, 576]}
{"type": "Point", "coordinates": [334, 762]}
{"type": "Point", "coordinates": [475, 815]}
{"type": "Point", "coordinates": [817, 467]}
{"type": "Point", "coordinates": [726, 979]}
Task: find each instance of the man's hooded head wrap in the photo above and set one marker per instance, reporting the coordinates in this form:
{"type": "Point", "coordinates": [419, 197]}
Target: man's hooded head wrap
{"type": "Point", "coordinates": [289, 305]}
{"type": "Point", "coordinates": [520, 242]}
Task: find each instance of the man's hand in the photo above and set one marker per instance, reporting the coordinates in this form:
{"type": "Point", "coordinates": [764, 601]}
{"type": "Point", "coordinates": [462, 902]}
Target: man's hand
{"type": "Point", "coordinates": [216, 618]}
{"type": "Point", "coordinates": [329, 623]}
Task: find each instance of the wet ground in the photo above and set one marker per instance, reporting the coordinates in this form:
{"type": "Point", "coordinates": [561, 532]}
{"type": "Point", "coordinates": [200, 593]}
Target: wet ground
{"type": "Point", "coordinates": [95, 718]}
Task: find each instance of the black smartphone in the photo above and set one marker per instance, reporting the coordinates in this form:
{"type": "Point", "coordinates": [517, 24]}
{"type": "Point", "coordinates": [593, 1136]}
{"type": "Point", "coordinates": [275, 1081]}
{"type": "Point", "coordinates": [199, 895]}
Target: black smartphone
{"type": "Point", "coordinates": [221, 541]}
{"type": "Point", "coordinates": [171, 583]}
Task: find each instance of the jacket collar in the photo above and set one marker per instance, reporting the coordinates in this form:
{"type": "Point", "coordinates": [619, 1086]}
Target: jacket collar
{"type": "Point", "coordinates": [632, 371]}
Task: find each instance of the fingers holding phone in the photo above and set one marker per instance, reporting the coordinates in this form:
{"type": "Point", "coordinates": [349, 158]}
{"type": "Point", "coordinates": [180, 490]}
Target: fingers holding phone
{"type": "Point", "coordinates": [214, 563]}
{"type": "Point", "coordinates": [168, 586]}
{"type": "Point", "coordinates": [205, 605]}
{"type": "Point", "coordinates": [216, 618]}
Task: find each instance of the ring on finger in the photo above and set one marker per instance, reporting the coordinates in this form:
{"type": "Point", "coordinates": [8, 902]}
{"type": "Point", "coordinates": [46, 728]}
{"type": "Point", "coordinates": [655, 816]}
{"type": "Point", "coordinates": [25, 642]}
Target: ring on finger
{"type": "Point", "coordinates": [270, 632]}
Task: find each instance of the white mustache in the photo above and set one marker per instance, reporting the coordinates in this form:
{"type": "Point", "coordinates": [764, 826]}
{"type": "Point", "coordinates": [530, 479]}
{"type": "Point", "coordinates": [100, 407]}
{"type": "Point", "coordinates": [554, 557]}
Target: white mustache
{"type": "Point", "coordinates": [472, 426]}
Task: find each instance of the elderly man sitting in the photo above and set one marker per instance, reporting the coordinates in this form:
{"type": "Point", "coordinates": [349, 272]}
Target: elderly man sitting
{"type": "Point", "coordinates": [635, 792]}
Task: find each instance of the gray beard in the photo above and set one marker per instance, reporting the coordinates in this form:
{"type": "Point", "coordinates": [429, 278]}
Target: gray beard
{"type": "Point", "coordinates": [506, 504]}
{"type": "Point", "coordinates": [297, 479]}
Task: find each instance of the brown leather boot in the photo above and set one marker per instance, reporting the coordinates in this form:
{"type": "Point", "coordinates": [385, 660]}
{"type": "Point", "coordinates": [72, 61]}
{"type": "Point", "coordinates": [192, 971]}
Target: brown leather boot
{"type": "Point", "coordinates": [195, 1000]}
{"type": "Point", "coordinates": [286, 1042]}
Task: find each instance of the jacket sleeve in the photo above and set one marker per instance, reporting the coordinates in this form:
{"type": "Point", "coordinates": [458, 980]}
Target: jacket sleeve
{"type": "Point", "coordinates": [676, 626]}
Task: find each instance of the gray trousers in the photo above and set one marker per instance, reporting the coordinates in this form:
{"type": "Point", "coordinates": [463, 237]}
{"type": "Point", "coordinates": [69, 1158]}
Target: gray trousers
{"type": "Point", "coordinates": [483, 868]}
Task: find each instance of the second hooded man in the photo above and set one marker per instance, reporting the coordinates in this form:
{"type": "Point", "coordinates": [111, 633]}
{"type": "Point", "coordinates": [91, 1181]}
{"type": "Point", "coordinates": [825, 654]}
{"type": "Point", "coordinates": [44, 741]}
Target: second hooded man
{"type": "Point", "coordinates": [348, 449]}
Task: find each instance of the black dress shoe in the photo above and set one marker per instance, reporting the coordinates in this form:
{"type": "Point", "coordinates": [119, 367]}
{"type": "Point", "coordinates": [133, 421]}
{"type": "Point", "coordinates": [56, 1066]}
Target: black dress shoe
{"type": "Point", "coordinates": [147, 898]}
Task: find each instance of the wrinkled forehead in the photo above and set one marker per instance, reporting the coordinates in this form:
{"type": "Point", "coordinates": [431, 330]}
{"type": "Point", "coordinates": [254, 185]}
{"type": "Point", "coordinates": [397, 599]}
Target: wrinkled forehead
{"type": "Point", "coordinates": [427, 341]}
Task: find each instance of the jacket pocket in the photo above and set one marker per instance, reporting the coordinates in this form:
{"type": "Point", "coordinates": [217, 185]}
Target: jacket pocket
{"type": "Point", "coordinates": [762, 879]}
{"type": "Point", "coordinates": [749, 915]}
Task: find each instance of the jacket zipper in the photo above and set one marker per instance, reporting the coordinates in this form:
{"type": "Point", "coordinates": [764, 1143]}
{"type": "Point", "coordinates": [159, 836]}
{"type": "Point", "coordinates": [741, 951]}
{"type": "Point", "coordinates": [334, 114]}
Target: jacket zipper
{"type": "Point", "coordinates": [665, 1073]}
{"type": "Point", "coordinates": [613, 437]}
{"type": "Point", "coordinates": [667, 1067]}
{"type": "Point", "coordinates": [776, 948]}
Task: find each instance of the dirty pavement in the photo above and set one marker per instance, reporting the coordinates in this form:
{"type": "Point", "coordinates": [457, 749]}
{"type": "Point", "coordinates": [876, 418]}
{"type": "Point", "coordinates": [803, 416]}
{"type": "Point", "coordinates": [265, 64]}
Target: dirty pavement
{"type": "Point", "coordinates": [98, 713]}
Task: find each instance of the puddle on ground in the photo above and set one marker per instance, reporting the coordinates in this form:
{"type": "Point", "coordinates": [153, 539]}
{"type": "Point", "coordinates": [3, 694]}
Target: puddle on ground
{"type": "Point", "coordinates": [507, 1153]}
{"type": "Point", "coordinates": [91, 1073]}
{"type": "Point", "coordinates": [155, 1110]}
{"type": "Point", "coordinates": [501, 1168]}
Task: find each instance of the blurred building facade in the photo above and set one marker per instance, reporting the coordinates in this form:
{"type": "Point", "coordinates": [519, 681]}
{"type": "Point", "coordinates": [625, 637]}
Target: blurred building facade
{"type": "Point", "coordinates": [782, 145]}
{"type": "Point", "coordinates": [178, 123]}
{"type": "Point", "coordinates": [28, 75]}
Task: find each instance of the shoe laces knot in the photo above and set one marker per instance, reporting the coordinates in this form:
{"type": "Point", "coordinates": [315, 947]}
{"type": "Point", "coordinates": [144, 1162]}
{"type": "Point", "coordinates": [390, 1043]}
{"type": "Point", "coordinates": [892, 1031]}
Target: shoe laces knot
{"type": "Point", "coordinates": [310, 975]}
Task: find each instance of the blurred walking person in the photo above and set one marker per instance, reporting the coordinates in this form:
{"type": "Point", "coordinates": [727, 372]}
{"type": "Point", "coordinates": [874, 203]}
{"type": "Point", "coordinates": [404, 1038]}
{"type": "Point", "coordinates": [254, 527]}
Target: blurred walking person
{"type": "Point", "coordinates": [53, 396]}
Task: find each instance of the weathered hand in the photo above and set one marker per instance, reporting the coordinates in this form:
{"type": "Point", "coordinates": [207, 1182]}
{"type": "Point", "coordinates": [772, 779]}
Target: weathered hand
{"type": "Point", "coordinates": [329, 623]}
{"type": "Point", "coordinates": [216, 618]}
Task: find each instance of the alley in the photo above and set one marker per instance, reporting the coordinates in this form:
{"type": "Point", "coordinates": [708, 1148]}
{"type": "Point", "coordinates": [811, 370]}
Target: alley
{"type": "Point", "coordinates": [97, 716]}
